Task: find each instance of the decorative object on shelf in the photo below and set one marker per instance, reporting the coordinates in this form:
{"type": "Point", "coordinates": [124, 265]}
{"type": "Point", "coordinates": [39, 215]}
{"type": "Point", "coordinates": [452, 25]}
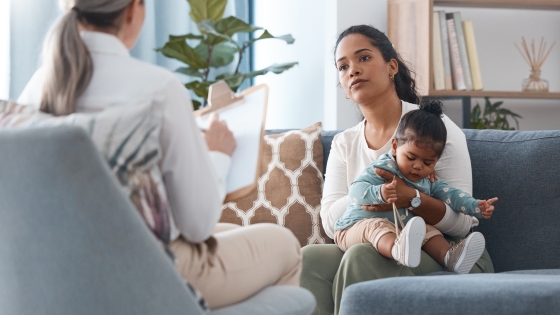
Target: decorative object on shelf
{"type": "Point", "coordinates": [535, 60]}
{"type": "Point", "coordinates": [216, 48]}
{"type": "Point", "coordinates": [493, 116]}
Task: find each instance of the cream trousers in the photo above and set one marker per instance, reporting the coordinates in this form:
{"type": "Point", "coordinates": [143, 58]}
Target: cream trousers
{"type": "Point", "coordinates": [370, 231]}
{"type": "Point", "coordinates": [237, 262]}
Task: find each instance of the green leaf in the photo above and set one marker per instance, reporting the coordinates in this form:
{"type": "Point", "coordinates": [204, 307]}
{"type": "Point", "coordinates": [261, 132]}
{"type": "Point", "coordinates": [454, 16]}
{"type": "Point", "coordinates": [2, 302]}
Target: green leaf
{"type": "Point", "coordinates": [276, 68]}
{"type": "Point", "coordinates": [212, 39]}
{"type": "Point", "coordinates": [232, 25]}
{"type": "Point", "coordinates": [183, 37]}
{"type": "Point", "coordinates": [212, 36]}
{"type": "Point", "coordinates": [207, 9]}
{"type": "Point", "coordinates": [475, 114]}
{"type": "Point", "coordinates": [200, 88]}
{"type": "Point", "coordinates": [196, 104]}
{"type": "Point", "coordinates": [190, 72]}
{"type": "Point", "coordinates": [181, 51]}
{"type": "Point", "coordinates": [222, 54]}
{"type": "Point", "coordinates": [266, 35]}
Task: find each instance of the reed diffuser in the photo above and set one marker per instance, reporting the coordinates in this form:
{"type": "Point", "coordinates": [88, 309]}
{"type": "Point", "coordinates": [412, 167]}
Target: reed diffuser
{"type": "Point", "coordinates": [535, 60]}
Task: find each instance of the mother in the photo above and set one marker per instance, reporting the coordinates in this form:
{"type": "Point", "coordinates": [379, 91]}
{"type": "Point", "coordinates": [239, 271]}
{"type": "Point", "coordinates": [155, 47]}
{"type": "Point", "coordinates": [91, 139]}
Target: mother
{"type": "Point", "coordinates": [373, 76]}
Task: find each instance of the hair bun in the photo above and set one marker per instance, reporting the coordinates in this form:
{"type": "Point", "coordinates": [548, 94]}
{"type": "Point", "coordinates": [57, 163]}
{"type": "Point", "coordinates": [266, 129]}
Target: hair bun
{"type": "Point", "coordinates": [432, 106]}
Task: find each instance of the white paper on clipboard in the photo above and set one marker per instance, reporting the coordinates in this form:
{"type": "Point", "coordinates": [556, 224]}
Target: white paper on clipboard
{"type": "Point", "coordinates": [245, 119]}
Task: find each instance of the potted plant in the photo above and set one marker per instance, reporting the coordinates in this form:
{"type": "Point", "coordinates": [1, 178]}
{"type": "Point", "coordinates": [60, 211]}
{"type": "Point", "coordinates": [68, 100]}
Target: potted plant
{"type": "Point", "coordinates": [493, 116]}
{"type": "Point", "coordinates": [214, 47]}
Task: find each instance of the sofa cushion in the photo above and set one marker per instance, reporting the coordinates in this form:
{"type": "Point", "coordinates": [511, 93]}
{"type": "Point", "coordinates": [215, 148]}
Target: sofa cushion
{"type": "Point", "coordinates": [128, 137]}
{"type": "Point", "coordinates": [289, 187]}
{"type": "Point", "coordinates": [552, 272]}
{"type": "Point", "coordinates": [458, 294]}
{"type": "Point", "coordinates": [522, 169]}
{"type": "Point", "coordinates": [294, 300]}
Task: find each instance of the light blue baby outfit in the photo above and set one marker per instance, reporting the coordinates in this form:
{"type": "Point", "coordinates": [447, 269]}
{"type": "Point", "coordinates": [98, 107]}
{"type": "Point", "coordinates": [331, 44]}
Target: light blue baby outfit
{"type": "Point", "coordinates": [366, 190]}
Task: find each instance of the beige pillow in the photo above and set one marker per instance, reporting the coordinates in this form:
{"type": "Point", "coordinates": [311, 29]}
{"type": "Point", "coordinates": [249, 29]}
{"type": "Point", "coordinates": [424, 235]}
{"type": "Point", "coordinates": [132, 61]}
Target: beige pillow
{"type": "Point", "coordinates": [289, 187]}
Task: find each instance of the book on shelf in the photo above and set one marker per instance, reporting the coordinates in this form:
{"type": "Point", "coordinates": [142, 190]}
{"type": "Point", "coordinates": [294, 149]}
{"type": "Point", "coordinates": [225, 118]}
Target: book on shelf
{"type": "Point", "coordinates": [473, 55]}
{"type": "Point", "coordinates": [455, 57]}
{"type": "Point", "coordinates": [437, 55]}
{"type": "Point", "coordinates": [445, 50]}
{"type": "Point", "coordinates": [456, 16]}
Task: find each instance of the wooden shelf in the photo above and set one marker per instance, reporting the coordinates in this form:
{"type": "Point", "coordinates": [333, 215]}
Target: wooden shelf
{"type": "Point", "coordinates": [409, 28]}
{"type": "Point", "coordinates": [496, 94]}
{"type": "Point", "coordinates": [503, 4]}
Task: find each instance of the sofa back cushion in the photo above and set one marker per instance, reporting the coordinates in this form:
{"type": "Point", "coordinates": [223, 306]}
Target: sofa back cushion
{"type": "Point", "coordinates": [522, 169]}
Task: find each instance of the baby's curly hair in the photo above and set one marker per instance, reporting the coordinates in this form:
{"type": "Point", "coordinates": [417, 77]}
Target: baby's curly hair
{"type": "Point", "coordinates": [424, 127]}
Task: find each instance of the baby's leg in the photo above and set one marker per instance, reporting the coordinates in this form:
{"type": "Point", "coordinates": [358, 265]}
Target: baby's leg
{"type": "Point", "coordinates": [382, 235]}
{"type": "Point", "coordinates": [367, 231]}
{"type": "Point", "coordinates": [435, 244]}
{"type": "Point", "coordinates": [458, 258]}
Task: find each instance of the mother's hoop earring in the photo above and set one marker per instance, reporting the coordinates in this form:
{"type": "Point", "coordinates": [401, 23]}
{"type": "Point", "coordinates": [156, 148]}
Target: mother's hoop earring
{"type": "Point", "coordinates": [346, 96]}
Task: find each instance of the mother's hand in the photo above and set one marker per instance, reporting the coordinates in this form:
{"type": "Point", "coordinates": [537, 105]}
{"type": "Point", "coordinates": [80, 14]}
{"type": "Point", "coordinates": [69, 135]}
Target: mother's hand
{"type": "Point", "coordinates": [404, 193]}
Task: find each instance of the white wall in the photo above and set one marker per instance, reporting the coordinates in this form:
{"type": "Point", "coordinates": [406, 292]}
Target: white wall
{"type": "Point", "coordinates": [295, 98]}
{"type": "Point", "coordinates": [309, 92]}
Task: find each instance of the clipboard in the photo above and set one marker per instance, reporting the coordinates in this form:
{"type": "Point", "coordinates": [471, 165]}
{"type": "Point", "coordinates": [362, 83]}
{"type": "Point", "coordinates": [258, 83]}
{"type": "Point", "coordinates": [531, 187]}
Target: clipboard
{"type": "Point", "coordinates": [245, 115]}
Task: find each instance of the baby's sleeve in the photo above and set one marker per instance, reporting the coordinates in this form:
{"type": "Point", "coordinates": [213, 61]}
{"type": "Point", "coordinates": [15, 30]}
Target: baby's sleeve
{"type": "Point", "coordinates": [457, 199]}
{"type": "Point", "coordinates": [366, 188]}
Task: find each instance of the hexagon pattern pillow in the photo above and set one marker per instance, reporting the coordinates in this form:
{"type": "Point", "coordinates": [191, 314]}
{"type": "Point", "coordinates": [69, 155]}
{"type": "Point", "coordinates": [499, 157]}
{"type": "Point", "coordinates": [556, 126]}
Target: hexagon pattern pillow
{"type": "Point", "coordinates": [289, 187]}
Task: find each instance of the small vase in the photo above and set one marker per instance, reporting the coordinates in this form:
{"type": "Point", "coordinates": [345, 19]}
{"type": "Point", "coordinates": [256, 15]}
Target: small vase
{"type": "Point", "coordinates": [534, 83]}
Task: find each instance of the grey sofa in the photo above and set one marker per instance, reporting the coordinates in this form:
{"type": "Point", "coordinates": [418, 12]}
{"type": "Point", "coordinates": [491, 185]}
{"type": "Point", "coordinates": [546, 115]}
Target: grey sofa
{"type": "Point", "coordinates": [72, 243]}
{"type": "Point", "coordinates": [522, 168]}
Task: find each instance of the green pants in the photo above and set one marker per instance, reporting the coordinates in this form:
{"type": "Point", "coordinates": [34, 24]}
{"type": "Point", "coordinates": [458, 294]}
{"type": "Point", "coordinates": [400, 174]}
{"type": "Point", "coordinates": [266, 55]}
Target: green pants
{"type": "Point", "coordinates": [327, 270]}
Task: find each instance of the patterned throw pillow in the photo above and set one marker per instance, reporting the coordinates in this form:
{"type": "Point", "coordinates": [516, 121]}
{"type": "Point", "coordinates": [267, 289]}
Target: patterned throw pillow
{"type": "Point", "coordinates": [289, 187]}
{"type": "Point", "coordinates": [128, 137]}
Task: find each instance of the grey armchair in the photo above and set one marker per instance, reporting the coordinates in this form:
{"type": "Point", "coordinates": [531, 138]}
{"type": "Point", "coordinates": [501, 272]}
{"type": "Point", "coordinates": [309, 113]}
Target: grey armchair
{"type": "Point", "coordinates": [72, 243]}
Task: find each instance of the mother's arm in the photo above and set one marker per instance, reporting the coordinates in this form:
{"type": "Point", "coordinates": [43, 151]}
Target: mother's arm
{"type": "Point", "coordinates": [335, 191]}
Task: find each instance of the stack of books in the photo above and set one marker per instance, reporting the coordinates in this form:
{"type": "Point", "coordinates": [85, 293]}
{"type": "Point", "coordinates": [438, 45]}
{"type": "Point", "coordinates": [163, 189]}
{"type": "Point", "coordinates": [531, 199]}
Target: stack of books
{"type": "Point", "coordinates": [455, 57]}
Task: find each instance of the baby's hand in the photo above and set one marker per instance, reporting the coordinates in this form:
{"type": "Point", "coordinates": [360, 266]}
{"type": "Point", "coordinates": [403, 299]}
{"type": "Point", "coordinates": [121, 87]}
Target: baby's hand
{"type": "Point", "coordinates": [389, 191]}
{"type": "Point", "coordinates": [486, 207]}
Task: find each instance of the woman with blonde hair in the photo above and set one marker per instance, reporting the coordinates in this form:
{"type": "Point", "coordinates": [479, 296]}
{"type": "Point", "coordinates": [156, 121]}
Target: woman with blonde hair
{"type": "Point", "coordinates": [87, 68]}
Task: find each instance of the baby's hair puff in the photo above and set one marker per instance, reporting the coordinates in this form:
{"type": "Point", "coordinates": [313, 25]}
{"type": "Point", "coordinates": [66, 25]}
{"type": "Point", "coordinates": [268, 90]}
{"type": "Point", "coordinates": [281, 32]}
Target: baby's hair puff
{"type": "Point", "coordinates": [424, 126]}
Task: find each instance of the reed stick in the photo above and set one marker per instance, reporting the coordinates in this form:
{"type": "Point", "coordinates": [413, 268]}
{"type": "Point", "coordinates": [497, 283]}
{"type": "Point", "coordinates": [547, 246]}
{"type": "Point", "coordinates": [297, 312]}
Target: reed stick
{"type": "Point", "coordinates": [546, 55]}
{"type": "Point", "coordinates": [535, 58]}
{"type": "Point", "coordinates": [522, 55]}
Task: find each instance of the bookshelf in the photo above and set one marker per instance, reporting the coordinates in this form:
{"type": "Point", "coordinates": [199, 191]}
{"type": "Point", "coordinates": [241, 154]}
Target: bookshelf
{"type": "Point", "coordinates": [409, 27]}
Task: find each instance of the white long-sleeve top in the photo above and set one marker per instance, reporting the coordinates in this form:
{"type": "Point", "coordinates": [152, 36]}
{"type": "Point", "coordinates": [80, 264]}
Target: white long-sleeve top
{"type": "Point", "coordinates": [350, 155]}
{"type": "Point", "coordinates": [194, 177]}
